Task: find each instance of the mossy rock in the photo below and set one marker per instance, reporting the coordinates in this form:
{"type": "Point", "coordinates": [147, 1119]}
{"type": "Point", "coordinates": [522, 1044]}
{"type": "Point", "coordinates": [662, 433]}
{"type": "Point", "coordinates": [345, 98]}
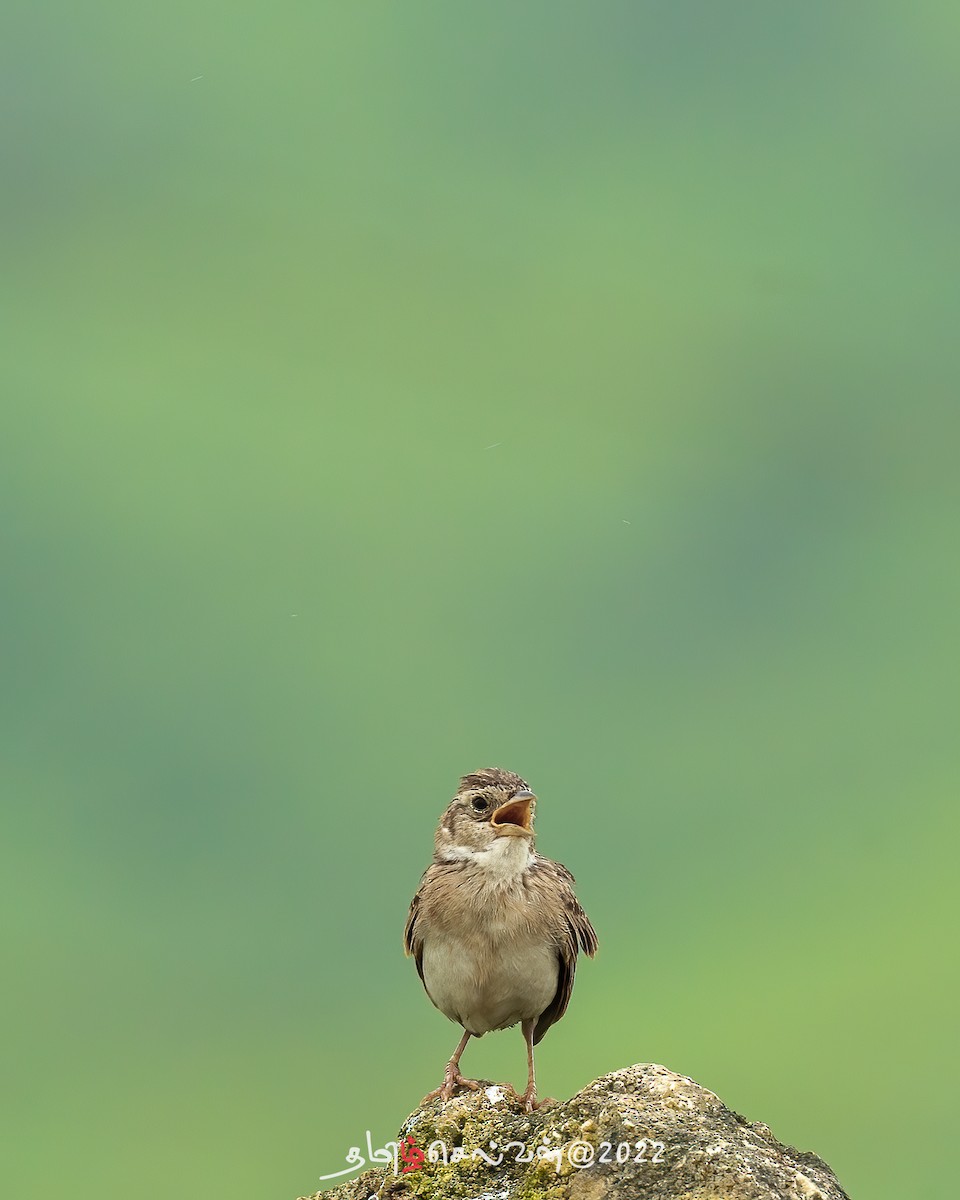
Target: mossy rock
{"type": "Point", "coordinates": [642, 1133]}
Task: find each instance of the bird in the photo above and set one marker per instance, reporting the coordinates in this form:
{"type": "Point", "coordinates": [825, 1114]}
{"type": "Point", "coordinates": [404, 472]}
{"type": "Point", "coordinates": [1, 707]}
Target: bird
{"type": "Point", "coordinates": [495, 927]}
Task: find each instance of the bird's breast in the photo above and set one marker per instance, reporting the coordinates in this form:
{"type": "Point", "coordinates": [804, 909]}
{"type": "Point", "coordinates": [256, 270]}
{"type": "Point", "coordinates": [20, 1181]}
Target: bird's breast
{"type": "Point", "coordinates": [490, 962]}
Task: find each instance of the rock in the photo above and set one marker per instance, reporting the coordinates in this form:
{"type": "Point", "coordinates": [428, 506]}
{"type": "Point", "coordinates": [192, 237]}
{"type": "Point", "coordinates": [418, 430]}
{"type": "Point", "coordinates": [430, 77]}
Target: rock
{"type": "Point", "coordinates": [643, 1133]}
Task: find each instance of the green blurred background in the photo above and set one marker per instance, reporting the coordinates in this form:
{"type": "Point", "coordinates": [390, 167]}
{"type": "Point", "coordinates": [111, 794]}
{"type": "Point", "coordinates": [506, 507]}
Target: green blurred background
{"type": "Point", "coordinates": [392, 390]}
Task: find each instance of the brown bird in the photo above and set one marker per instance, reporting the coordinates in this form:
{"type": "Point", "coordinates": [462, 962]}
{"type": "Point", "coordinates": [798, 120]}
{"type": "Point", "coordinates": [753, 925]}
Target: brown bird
{"type": "Point", "coordinates": [495, 927]}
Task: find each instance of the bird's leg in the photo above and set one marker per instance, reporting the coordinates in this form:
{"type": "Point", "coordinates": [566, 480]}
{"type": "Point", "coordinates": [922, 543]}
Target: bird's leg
{"type": "Point", "coordinates": [529, 1097]}
{"type": "Point", "coordinates": [452, 1079]}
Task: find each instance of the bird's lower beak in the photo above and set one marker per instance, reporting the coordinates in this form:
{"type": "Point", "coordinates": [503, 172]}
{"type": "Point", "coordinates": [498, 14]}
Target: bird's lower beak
{"type": "Point", "coordinates": [515, 818]}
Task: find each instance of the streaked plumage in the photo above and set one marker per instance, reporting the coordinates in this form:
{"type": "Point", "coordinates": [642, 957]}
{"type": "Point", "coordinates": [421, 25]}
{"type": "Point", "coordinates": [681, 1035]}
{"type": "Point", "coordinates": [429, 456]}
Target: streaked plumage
{"type": "Point", "coordinates": [495, 928]}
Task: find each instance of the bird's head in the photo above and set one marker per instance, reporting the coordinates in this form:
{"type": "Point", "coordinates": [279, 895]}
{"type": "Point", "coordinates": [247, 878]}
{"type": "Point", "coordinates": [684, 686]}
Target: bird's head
{"type": "Point", "coordinates": [489, 805]}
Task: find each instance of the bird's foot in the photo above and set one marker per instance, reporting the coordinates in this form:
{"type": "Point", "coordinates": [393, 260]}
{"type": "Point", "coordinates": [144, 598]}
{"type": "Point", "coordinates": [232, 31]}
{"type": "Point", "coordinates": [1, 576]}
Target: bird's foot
{"type": "Point", "coordinates": [452, 1079]}
{"type": "Point", "coordinates": [528, 1100]}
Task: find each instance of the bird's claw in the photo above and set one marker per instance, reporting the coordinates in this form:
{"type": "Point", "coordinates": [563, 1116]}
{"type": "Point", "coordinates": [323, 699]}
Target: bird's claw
{"type": "Point", "coordinates": [528, 1099]}
{"type": "Point", "coordinates": [452, 1079]}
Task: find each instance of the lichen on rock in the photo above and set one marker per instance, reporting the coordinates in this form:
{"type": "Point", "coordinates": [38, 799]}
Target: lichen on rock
{"type": "Point", "coordinates": [643, 1132]}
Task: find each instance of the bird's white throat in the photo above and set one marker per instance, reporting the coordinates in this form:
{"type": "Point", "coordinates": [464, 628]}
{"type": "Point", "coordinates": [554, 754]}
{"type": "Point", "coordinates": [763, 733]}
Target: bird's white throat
{"type": "Point", "coordinates": [503, 861]}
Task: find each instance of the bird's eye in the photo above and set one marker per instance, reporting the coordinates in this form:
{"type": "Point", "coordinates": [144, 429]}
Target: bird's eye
{"type": "Point", "coordinates": [478, 803]}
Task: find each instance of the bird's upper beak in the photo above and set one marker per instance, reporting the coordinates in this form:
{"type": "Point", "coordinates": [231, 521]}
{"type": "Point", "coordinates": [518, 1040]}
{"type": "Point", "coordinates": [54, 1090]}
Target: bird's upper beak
{"type": "Point", "coordinates": [515, 818]}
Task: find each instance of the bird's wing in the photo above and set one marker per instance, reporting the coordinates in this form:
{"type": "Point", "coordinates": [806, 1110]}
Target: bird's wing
{"type": "Point", "coordinates": [575, 933]}
{"type": "Point", "coordinates": [411, 943]}
{"type": "Point", "coordinates": [412, 940]}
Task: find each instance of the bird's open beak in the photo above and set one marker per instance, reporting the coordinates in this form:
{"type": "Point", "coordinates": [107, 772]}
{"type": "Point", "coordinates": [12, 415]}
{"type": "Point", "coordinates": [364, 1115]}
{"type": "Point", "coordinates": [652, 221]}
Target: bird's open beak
{"type": "Point", "coordinates": [515, 818]}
